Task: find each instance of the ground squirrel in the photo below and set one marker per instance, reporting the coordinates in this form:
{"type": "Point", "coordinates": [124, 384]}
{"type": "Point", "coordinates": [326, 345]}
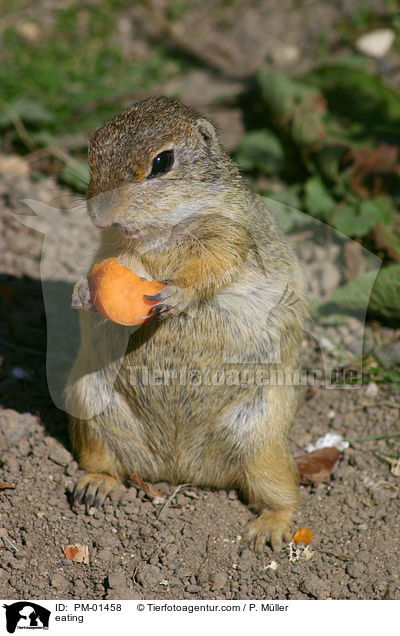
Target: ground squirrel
{"type": "Point", "coordinates": [172, 206]}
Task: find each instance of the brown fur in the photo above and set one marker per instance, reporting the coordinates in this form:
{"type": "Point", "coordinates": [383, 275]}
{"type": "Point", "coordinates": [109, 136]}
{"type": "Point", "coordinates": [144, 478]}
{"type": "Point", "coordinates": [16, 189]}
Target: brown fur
{"type": "Point", "coordinates": [236, 299]}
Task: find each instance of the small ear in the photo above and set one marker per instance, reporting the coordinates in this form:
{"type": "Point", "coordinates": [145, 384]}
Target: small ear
{"type": "Point", "coordinates": [206, 130]}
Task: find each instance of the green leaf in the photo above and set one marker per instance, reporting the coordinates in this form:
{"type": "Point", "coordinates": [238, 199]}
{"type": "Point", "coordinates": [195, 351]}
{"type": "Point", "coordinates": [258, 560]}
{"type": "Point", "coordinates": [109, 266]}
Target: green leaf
{"type": "Point", "coordinates": [261, 150]}
{"type": "Point", "coordinates": [317, 198]}
{"type": "Point", "coordinates": [355, 94]}
{"type": "Point", "coordinates": [354, 295]}
{"type": "Point", "coordinates": [280, 92]}
{"type": "Point", "coordinates": [294, 107]}
{"type": "Point", "coordinates": [381, 296]}
{"type": "Point", "coordinates": [328, 159]}
{"type": "Point", "coordinates": [345, 219]}
{"type": "Point", "coordinates": [359, 220]}
{"type": "Point", "coordinates": [385, 298]}
{"type": "Point", "coordinates": [76, 173]}
{"type": "Point", "coordinates": [386, 209]}
{"type": "Point", "coordinates": [355, 60]}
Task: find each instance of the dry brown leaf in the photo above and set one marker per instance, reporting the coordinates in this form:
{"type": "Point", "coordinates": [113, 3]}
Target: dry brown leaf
{"type": "Point", "coordinates": [78, 553]}
{"type": "Point", "coordinates": [303, 535]}
{"type": "Point", "coordinates": [317, 466]}
{"type": "Point", "coordinates": [70, 551]}
{"type": "Point", "coordinates": [139, 481]}
{"type": "Point", "coordinates": [152, 494]}
{"type": "Point", "coordinates": [375, 163]}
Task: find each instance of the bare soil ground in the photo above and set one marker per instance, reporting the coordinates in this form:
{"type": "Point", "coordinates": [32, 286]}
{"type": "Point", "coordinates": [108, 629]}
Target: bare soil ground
{"type": "Point", "coordinates": [189, 549]}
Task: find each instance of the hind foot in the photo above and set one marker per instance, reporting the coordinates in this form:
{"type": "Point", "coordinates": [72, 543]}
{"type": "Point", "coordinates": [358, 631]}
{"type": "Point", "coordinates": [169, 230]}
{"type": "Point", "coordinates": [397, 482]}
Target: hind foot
{"type": "Point", "coordinates": [272, 525]}
{"type": "Point", "coordinates": [93, 488]}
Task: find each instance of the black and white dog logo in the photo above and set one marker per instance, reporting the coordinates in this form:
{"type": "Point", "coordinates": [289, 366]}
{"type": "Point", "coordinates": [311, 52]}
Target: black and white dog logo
{"type": "Point", "coordinates": [26, 615]}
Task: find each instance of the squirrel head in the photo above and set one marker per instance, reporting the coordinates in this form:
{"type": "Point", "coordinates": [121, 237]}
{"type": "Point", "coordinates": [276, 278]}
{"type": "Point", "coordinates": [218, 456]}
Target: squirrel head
{"type": "Point", "coordinates": [156, 164]}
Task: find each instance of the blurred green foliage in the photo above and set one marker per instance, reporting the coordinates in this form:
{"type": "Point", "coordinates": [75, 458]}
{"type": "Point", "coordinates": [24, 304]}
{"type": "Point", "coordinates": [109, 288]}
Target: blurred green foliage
{"type": "Point", "coordinates": [261, 150]}
{"type": "Point", "coordinates": [333, 137]}
{"type": "Point", "coordinates": [356, 294]}
{"type": "Point", "coordinates": [77, 75]}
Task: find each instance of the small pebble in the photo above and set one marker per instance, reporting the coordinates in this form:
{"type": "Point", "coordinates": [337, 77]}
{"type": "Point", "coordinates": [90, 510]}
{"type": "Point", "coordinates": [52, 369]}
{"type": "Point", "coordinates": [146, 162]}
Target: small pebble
{"type": "Point", "coordinates": [17, 564]}
{"type": "Point", "coordinates": [372, 389]}
{"type": "Point", "coordinates": [71, 469]}
{"type": "Point", "coordinates": [376, 43]}
{"type": "Point", "coordinates": [149, 575]}
{"type": "Point", "coordinates": [24, 447]}
{"type": "Point", "coordinates": [60, 455]}
{"type": "Point", "coordinates": [246, 559]}
{"type": "Point", "coordinates": [105, 555]}
{"type": "Point", "coordinates": [58, 581]}
{"type": "Point", "coordinates": [218, 580]}
{"type": "Point", "coordinates": [313, 586]}
{"type": "Point", "coordinates": [355, 570]}
{"type": "Point", "coordinates": [117, 579]}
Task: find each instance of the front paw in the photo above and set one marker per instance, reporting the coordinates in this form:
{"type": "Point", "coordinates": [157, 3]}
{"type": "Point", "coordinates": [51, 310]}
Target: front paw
{"type": "Point", "coordinates": [170, 301]}
{"type": "Point", "coordinates": [81, 296]}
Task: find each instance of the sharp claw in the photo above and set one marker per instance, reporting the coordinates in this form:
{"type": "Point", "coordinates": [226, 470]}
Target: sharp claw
{"type": "Point", "coordinates": [165, 309]}
{"type": "Point", "coordinates": [155, 312]}
{"type": "Point", "coordinates": [90, 499]}
{"type": "Point", "coordinates": [161, 309]}
{"type": "Point", "coordinates": [79, 494]}
{"type": "Point", "coordinates": [98, 501]}
{"type": "Point", "coordinates": [154, 298]}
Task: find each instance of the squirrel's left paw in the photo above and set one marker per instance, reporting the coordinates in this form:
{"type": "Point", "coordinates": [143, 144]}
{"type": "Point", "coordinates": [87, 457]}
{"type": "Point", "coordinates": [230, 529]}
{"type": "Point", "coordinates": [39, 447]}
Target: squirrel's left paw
{"type": "Point", "coordinates": [81, 296]}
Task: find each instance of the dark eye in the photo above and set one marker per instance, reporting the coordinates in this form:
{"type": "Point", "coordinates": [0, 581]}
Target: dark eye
{"type": "Point", "coordinates": [162, 163]}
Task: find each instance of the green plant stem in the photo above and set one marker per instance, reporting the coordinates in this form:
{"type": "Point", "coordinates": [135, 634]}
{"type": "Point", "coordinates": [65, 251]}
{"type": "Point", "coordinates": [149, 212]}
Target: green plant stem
{"type": "Point", "coordinates": [369, 438]}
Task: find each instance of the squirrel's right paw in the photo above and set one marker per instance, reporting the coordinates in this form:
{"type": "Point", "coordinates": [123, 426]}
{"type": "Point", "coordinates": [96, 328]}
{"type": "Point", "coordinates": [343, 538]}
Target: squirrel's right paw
{"type": "Point", "coordinates": [171, 300]}
{"type": "Point", "coordinates": [81, 297]}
